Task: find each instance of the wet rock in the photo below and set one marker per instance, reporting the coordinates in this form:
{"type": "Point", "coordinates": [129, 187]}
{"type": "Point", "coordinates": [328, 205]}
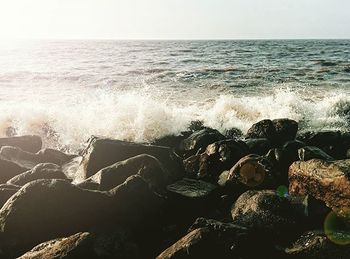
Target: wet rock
{"type": "Point", "coordinates": [220, 156]}
{"type": "Point", "coordinates": [200, 139]}
{"type": "Point", "coordinates": [86, 245]}
{"type": "Point", "coordinates": [266, 211]}
{"type": "Point", "coordinates": [259, 146]}
{"type": "Point", "coordinates": [191, 165]}
{"type": "Point", "coordinates": [193, 197]}
{"type": "Point", "coordinates": [54, 156]}
{"type": "Point", "coordinates": [22, 158]}
{"type": "Point", "coordinates": [38, 212]}
{"type": "Point", "coordinates": [233, 133]}
{"type": "Point", "coordinates": [144, 165]}
{"type": "Point", "coordinates": [5, 194]}
{"type": "Point", "coordinates": [325, 180]}
{"type": "Point", "coordinates": [334, 143]}
{"type": "Point", "coordinates": [196, 125]}
{"type": "Point", "coordinates": [190, 188]}
{"type": "Point", "coordinates": [202, 243]}
{"type": "Point", "coordinates": [40, 171]}
{"type": "Point", "coordinates": [9, 169]}
{"type": "Point", "coordinates": [262, 129]}
{"type": "Point", "coordinates": [286, 130]}
{"type": "Point", "coordinates": [101, 153]}
{"type": "Point", "coordinates": [27, 143]}
{"type": "Point", "coordinates": [251, 171]}
{"type": "Point", "coordinates": [310, 152]}
{"type": "Point", "coordinates": [316, 245]}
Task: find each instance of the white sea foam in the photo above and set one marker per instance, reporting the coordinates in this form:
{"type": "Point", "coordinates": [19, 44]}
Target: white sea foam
{"type": "Point", "coordinates": [67, 119]}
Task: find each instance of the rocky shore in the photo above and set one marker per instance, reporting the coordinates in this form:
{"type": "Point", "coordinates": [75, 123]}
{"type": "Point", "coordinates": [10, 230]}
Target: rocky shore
{"type": "Point", "coordinates": [272, 192]}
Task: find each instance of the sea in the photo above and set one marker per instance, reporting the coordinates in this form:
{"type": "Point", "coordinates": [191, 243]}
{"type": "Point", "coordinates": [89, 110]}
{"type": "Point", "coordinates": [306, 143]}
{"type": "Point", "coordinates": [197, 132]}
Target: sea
{"type": "Point", "coordinates": [66, 91]}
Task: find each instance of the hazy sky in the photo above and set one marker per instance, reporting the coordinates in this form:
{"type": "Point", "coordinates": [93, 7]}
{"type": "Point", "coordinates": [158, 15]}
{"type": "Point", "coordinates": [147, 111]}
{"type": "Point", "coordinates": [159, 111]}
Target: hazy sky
{"type": "Point", "coordinates": [174, 19]}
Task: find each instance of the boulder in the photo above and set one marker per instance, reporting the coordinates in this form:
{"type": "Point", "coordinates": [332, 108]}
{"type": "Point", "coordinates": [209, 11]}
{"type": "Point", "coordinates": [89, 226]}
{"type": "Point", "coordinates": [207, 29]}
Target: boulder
{"type": "Point", "coordinates": [214, 239]}
{"type": "Point", "coordinates": [203, 243]}
{"type": "Point", "coordinates": [220, 156]}
{"type": "Point", "coordinates": [40, 171]}
{"type": "Point", "coordinates": [22, 158]}
{"type": "Point", "coordinates": [259, 146]}
{"type": "Point", "coordinates": [262, 129]}
{"type": "Point", "coordinates": [27, 143]}
{"type": "Point", "coordinates": [267, 212]}
{"type": "Point", "coordinates": [328, 181]}
{"type": "Point", "coordinates": [251, 170]}
{"type": "Point", "coordinates": [233, 133]}
{"type": "Point", "coordinates": [286, 130]}
{"type": "Point", "coordinates": [46, 209]}
{"type": "Point", "coordinates": [334, 143]}
{"type": "Point", "coordinates": [101, 153]}
{"type": "Point", "coordinates": [310, 152]}
{"type": "Point", "coordinates": [277, 131]}
{"type": "Point", "coordinates": [49, 155]}
{"type": "Point", "coordinates": [85, 245]}
{"type": "Point", "coordinates": [30, 160]}
{"type": "Point", "coordinates": [316, 245]}
{"type": "Point", "coordinates": [189, 199]}
{"type": "Point", "coordinates": [200, 140]}
{"type": "Point", "coordinates": [9, 169]}
{"type": "Point", "coordinates": [111, 176]}
{"type": "Point", "coordinates": [6, 193]}
{"type": "Point", "coordinates": [191, 165]}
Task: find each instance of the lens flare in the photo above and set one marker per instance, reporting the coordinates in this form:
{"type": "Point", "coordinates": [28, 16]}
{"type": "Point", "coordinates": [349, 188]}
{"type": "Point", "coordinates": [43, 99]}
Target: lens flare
{"type": "Point", "coordinates": [337, 226]}
{"type": "Point", "coordinates": [282, 191]}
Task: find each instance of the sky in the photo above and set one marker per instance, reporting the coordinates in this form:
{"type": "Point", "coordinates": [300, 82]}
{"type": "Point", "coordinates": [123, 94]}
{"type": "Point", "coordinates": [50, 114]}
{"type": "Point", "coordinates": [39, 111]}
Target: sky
{"type": "Point", "coordinates": [174, 19]}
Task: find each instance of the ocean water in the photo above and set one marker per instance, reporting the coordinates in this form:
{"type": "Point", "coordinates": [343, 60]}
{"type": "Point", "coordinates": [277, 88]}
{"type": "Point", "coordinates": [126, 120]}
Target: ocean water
{"type": "Point", "coordinates": [66, 91]}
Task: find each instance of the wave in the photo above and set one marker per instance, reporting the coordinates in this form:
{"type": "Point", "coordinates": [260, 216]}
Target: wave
{"type": "Point", "coordinates": [67, 119]}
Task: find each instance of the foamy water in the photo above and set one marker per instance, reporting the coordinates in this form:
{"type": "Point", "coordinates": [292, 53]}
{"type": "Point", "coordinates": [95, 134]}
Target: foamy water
{"type": "Point", "coordinates": [67, 91]}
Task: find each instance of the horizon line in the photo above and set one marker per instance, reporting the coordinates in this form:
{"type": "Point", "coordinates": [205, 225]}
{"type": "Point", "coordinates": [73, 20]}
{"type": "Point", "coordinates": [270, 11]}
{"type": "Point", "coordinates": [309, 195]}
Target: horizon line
{"type": "Point", "coordinates": [167, 39]}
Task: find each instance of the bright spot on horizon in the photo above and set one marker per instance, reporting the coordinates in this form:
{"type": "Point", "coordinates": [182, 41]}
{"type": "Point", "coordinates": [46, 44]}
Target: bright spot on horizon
{"type": "Point", "coordinates": [174, 19]}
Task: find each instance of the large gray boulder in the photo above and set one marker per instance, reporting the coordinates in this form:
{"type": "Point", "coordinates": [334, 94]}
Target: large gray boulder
{"type": "Point", "coordinates": [9, 169]}
{"type": "Point", "coordinates": [28, 143]}
{"type": "Point", "coordinates": [40, 171]}
{"type": "Point", "coordinates": [111, 176]}
{"type": "Point", "coordinates": [102, 152]}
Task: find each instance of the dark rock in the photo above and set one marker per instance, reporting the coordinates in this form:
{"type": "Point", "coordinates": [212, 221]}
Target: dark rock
{"type": "Point", "coordinates": [200, 139]}
{"type": "Point", "coordinates": [27, 143]}
{"type": "Point", "coordinates": [29, 160]}
{"type": "Point", "coordinates": [9, 169]}
{"type": "Point", "coordinates": [196, 125]}
{"type": "Point", "coordinates": [286, 130]}
{"type": "Point", "coordinates": [5, 194]}
{"type": "Point", "coordinates": [334, 143]}
{"type": "Point", "coordinates": [85, 245]}
{"type": "Point", "coordinates": [310, 152]}
{"type": "Point", "coordinates": [190, 188]}
{"type": "Point", "coordinates": [191, 165]}
{"type": "Point", "coordinates": [144, 165]}
{"type": "Point", "coordinates": [262, 129]}
{"type": "Point", "coordinates": [220, 156]}
{"type": "Point", "coordinates": [169, 141]}
{"type": "Point", "coordinates": [101, 153]}
{"type": "Point", "coordinates": [266, 211]}
{"type": "Point", "coordinates": [22, 158]}
{"type": "Point", "coordinates": [40, 171]}
{"type": "Point", "coordinates": [233, 133]}
{"type": "Point", "coordinates": [189, 199]}
{"type": "Point", "coordinates": [47, 209]}
{"type": "Point", "coordinates": [259, 146]}
{"type": "Point", "coordinates": [316, 245]}
{"type": "Point", "coordinates": [324, 180]}
{"type": "Point", "coordinates": [53, 156]}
